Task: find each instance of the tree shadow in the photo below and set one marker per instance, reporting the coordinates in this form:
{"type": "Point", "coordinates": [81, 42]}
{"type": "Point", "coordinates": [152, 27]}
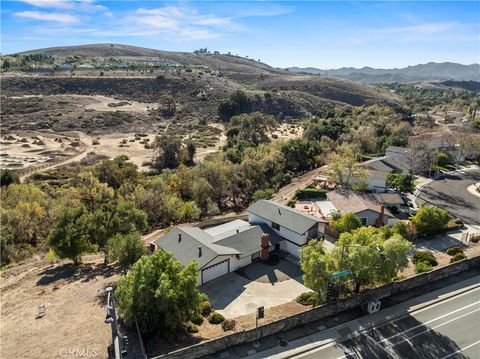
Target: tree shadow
{"type": "Point", "coordinates": [406, 337]}
{"type": "Point", "coordinates": [162, 343]}
{"type": "Point", "coordinates": [71, 273]}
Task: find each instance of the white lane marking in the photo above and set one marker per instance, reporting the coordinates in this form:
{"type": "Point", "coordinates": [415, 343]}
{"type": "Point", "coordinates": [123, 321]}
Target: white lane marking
{"type": "Point", "coordinates": [461, 349]}
{"type": "Point", "coordinates": [381, 347]}
{"type": "Point", "coordinates": [430, 321]}
{"type": "Point", "coordinates": [435, 327]}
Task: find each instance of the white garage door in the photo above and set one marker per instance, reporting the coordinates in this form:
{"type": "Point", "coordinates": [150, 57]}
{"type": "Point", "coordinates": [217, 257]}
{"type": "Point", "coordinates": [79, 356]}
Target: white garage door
{"type": "Point", "coordinates": [215, 271]}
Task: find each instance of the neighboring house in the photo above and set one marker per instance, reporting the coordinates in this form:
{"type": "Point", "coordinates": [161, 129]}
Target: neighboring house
{"type": "Point", "coordinates": [369, 212]}
{"type": "Point", "coordinates": [221, 249]}
{"type": "Point", "coordinates": [295, 228]}
{"type": "Point", "coordinates": [399, 154]}
{"type": "Point", "coordinates": [377, 171]}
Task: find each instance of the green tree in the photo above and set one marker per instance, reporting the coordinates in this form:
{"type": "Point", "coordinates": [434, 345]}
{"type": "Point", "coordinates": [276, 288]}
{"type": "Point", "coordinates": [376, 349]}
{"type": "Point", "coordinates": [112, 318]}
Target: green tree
{"type": "Point", "coordinates": [343, 166]}
{"type": "Point", "coordinates": [347, 223]}
{"type": "Point", "coordinates": [371, 255]}
{"type": "Point", "coordinates": [126, 249]}
{"type": "Point", "coordinates": [159, 293]}
{"type": "Point", "coordinates": [441, 158]}
{"type": "Point", "coordinates": [300, 155]}
{"type": "Point", "coordinates": [7, 177]}
{"type": "Point", "coordinates": [237, 103]}
{"type": "Point", "coordinates": [401, 182]}
{"type": "Point", "coordinates": [167, 105]}
{"type": "Point", "coordinates": [117, 172]}
{"type": "Point", "coordinates": [168, 152]}
{"type": "Point", "coordinates": [253, 127]}
{"type": "Point", "coordinates": [317, 266]}
{"type": "Point", "coordinates": [69, 235]}
{"type": "Point", "coordinates": [430, 220]}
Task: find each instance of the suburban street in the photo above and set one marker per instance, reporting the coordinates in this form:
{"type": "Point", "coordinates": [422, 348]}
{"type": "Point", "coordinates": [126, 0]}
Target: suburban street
{"type": "Point", "coordinates": [450, 329]}
{"type": "Point", "coordinates": [442, 324]}
{"type": "Point", "coordinates": [451, 194]}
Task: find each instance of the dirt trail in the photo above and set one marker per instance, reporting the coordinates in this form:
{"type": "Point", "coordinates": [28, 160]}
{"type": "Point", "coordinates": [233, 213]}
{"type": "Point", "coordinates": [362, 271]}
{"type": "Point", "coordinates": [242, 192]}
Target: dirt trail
{"type": "Point", "coordinates": [87, 147]}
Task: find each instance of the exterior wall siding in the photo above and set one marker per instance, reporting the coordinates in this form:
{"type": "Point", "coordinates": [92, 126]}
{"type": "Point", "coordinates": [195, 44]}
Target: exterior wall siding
{"type": "Point", "coordinates": [284, 232]}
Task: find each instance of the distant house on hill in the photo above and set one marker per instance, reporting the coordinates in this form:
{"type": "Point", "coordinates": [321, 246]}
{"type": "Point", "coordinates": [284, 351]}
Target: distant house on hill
{"type": "Point", "coordinates": [230, 246]}
{"type": "Point", "coordinates": [377, 170]}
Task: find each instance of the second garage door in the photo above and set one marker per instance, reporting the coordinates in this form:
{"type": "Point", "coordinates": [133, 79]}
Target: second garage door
{"type": "Point", "coordinates": [215, 271]}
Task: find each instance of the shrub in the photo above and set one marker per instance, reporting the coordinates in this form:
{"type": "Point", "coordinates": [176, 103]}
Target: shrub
{"type": "Point", "coordinates": [475, 239]}
{"type": "Point", "coordinates": [205, 308]}
{"type": "Point", "coordinates": [398, 277]}
{"type": "Point", "coordinates": [454, 225]}
{"type": "Point", "coordinates": [228, 325]}
{"type": "Point", "coordinates": [216, 318]}
{"type": "Point", "coordinates": [310, 193]}
{"type": "Point", "coordinates": [458, 257]}
{"type": "Point", "coordinates": [291, 203]}
{"type": "Point", "coordinates": [198, 320]}
{"type": "Point", "coordinates": [454, 250]}
{"type": "Point", "coordinates": [425, 257]}
{"type": "Point", "coordinates": [422, 267]}
{"type": "Point", "coordinates": [308, 298]}
{"type": "Point", "coordinates": [191, 328]}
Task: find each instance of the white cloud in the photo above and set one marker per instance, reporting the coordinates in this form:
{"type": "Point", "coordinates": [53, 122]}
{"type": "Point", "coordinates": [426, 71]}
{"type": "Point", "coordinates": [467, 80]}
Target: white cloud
{"type": "Point", "coordinates": [46, 16]}
{"type": "Point", "coordinates": [63, 4]}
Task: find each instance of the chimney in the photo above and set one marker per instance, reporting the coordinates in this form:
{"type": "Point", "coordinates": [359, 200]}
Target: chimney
{"type": "Point", "coordinates": [382, 214]}
{"type": "Point", "coordinates": [152, 246]}
{"type": "Point", "coordinates": [265, 244]}
{"type": "Point", "coordinates": [199, 251]}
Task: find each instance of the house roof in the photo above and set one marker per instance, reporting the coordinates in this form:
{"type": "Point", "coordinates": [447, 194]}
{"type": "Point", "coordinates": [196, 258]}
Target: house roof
{"type": "Point", "coordinates": [384, 164]}
{"type": "Point", "coordinates": [396, 149]}
{"type": "Point", "coordinates": [284, 216]}
{"type": "Point", "coordinates": [186, 247]}
{"type": "Point", "coordinates": [227, 229]}
{"type": "Point", "coordinates": [349, 201]}
{"type": "Point", "coordinates": [248, 241]}
{"type": "Point", "coordinates": [387, 199]}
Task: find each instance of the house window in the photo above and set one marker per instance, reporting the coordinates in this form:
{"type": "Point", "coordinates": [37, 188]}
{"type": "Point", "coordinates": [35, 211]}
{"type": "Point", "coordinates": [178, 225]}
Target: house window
{"type": "Point", "coordinates": [312, 233]}
{"type": "Point", "coordinates": [255, 256]}
{"type": "Point", "coordinates": [275, 226]}
{"type": "Point", "coordinates": [364, 221]}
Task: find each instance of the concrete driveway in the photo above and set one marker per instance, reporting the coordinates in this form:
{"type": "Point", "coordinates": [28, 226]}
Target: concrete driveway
{"type": "Point", "coordinates": [258, 284]}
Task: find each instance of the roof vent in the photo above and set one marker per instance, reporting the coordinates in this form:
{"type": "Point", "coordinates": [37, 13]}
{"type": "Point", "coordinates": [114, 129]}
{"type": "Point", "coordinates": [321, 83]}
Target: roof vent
{"type": "Point", "coordinates": [199, 251]}
{"type": "Point", "coordinates": [179, 237]}
{"type": "Point", "coordinates": [238, 231]}
{"type": "Point", "coordinates": [280, 213]}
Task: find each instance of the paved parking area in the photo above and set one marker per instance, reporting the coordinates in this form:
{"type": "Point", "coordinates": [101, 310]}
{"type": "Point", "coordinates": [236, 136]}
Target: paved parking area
{"type": "Point", "coordinates": [258, 285]}
{"type": "Point", "coordinates": [451, 194]}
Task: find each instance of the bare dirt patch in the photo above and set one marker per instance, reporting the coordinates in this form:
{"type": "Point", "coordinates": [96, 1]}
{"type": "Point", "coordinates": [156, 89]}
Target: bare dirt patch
{"type": "Point", "coordinates": [73, 298]}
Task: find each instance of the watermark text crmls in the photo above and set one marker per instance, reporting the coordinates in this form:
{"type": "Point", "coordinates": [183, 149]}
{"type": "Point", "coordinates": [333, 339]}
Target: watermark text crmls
{"type": "Point", "coordinates": [78, 352]}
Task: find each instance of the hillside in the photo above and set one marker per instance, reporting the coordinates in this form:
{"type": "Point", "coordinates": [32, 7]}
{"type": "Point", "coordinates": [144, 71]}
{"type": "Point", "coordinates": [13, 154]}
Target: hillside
{"type": "Point", "coordinates": [197, 81]}
{"type": "Point", "coordinates": [424, 72]}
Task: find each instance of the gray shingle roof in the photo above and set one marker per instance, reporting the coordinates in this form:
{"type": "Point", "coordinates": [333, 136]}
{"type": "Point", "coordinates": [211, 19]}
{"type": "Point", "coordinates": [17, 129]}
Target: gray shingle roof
{"type": "Point", "coordinates": [187, 248]}
{"type": "Point", "coordinates": [284, 216]}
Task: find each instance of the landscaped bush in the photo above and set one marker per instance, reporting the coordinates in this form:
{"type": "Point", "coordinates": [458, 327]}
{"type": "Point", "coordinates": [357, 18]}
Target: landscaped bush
{"type": "Point", "coordinates": [454, 250]}
{"type": "Point", "coordinates": [191, 328]}
{"type": "Point", "coordinates": [228, 325]}
{"type": "Point", "coordinates": [198, 320]}
{"type": "Point", "coordinates": [291, 203]}
{"type": "Point", "coordinates": [454, 225]}
{"type": "Point", "coordinates": [308, 298]}
{"type": "Point", "coordinates": [458, 257]}
{"type": "Point", "coordinates": [205, 308]}
{"type": "Point", "coordinates": [475, 239]}
{"type": "Point", "coordinates": [311, 193]}
{"type": "Point", "coordinates": [216, 318]}
{"type": "Point", "coordinates": [424, 257]}
{"type": "Point", "coordinates": [422, 267]}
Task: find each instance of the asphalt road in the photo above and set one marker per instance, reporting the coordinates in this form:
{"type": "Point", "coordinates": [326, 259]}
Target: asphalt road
{"type": "Point", "coordinates": [449, 329]}
{"type": "Point", "coordinates": [451, 194]}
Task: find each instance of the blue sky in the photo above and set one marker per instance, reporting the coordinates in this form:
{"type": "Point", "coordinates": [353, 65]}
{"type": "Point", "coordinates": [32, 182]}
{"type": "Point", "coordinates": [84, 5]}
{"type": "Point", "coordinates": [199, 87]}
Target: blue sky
{"type": "Point", "coordinates": [321, 34]}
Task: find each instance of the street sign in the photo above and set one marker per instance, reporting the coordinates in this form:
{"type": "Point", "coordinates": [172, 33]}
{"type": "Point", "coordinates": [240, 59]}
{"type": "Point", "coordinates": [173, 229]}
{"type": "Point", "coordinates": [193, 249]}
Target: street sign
{"type": "Point", "coordinates": [260, 312]}
{"type": "Point", "coordinates": [341, 274]}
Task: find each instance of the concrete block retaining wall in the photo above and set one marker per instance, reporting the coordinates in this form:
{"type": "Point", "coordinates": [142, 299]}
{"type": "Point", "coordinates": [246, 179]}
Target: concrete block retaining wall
{"type": "Point", "coordinates": [323, 311]}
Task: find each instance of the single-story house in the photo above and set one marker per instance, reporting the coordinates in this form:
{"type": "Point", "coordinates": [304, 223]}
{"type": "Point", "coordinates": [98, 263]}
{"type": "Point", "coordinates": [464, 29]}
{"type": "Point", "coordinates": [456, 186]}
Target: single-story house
{"type": "Point", "coordinates": [369, 212]}
{"type": "Point", "coordinates": [221, 249]}
{"type": "Point", "coordinates": [295, 228]}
